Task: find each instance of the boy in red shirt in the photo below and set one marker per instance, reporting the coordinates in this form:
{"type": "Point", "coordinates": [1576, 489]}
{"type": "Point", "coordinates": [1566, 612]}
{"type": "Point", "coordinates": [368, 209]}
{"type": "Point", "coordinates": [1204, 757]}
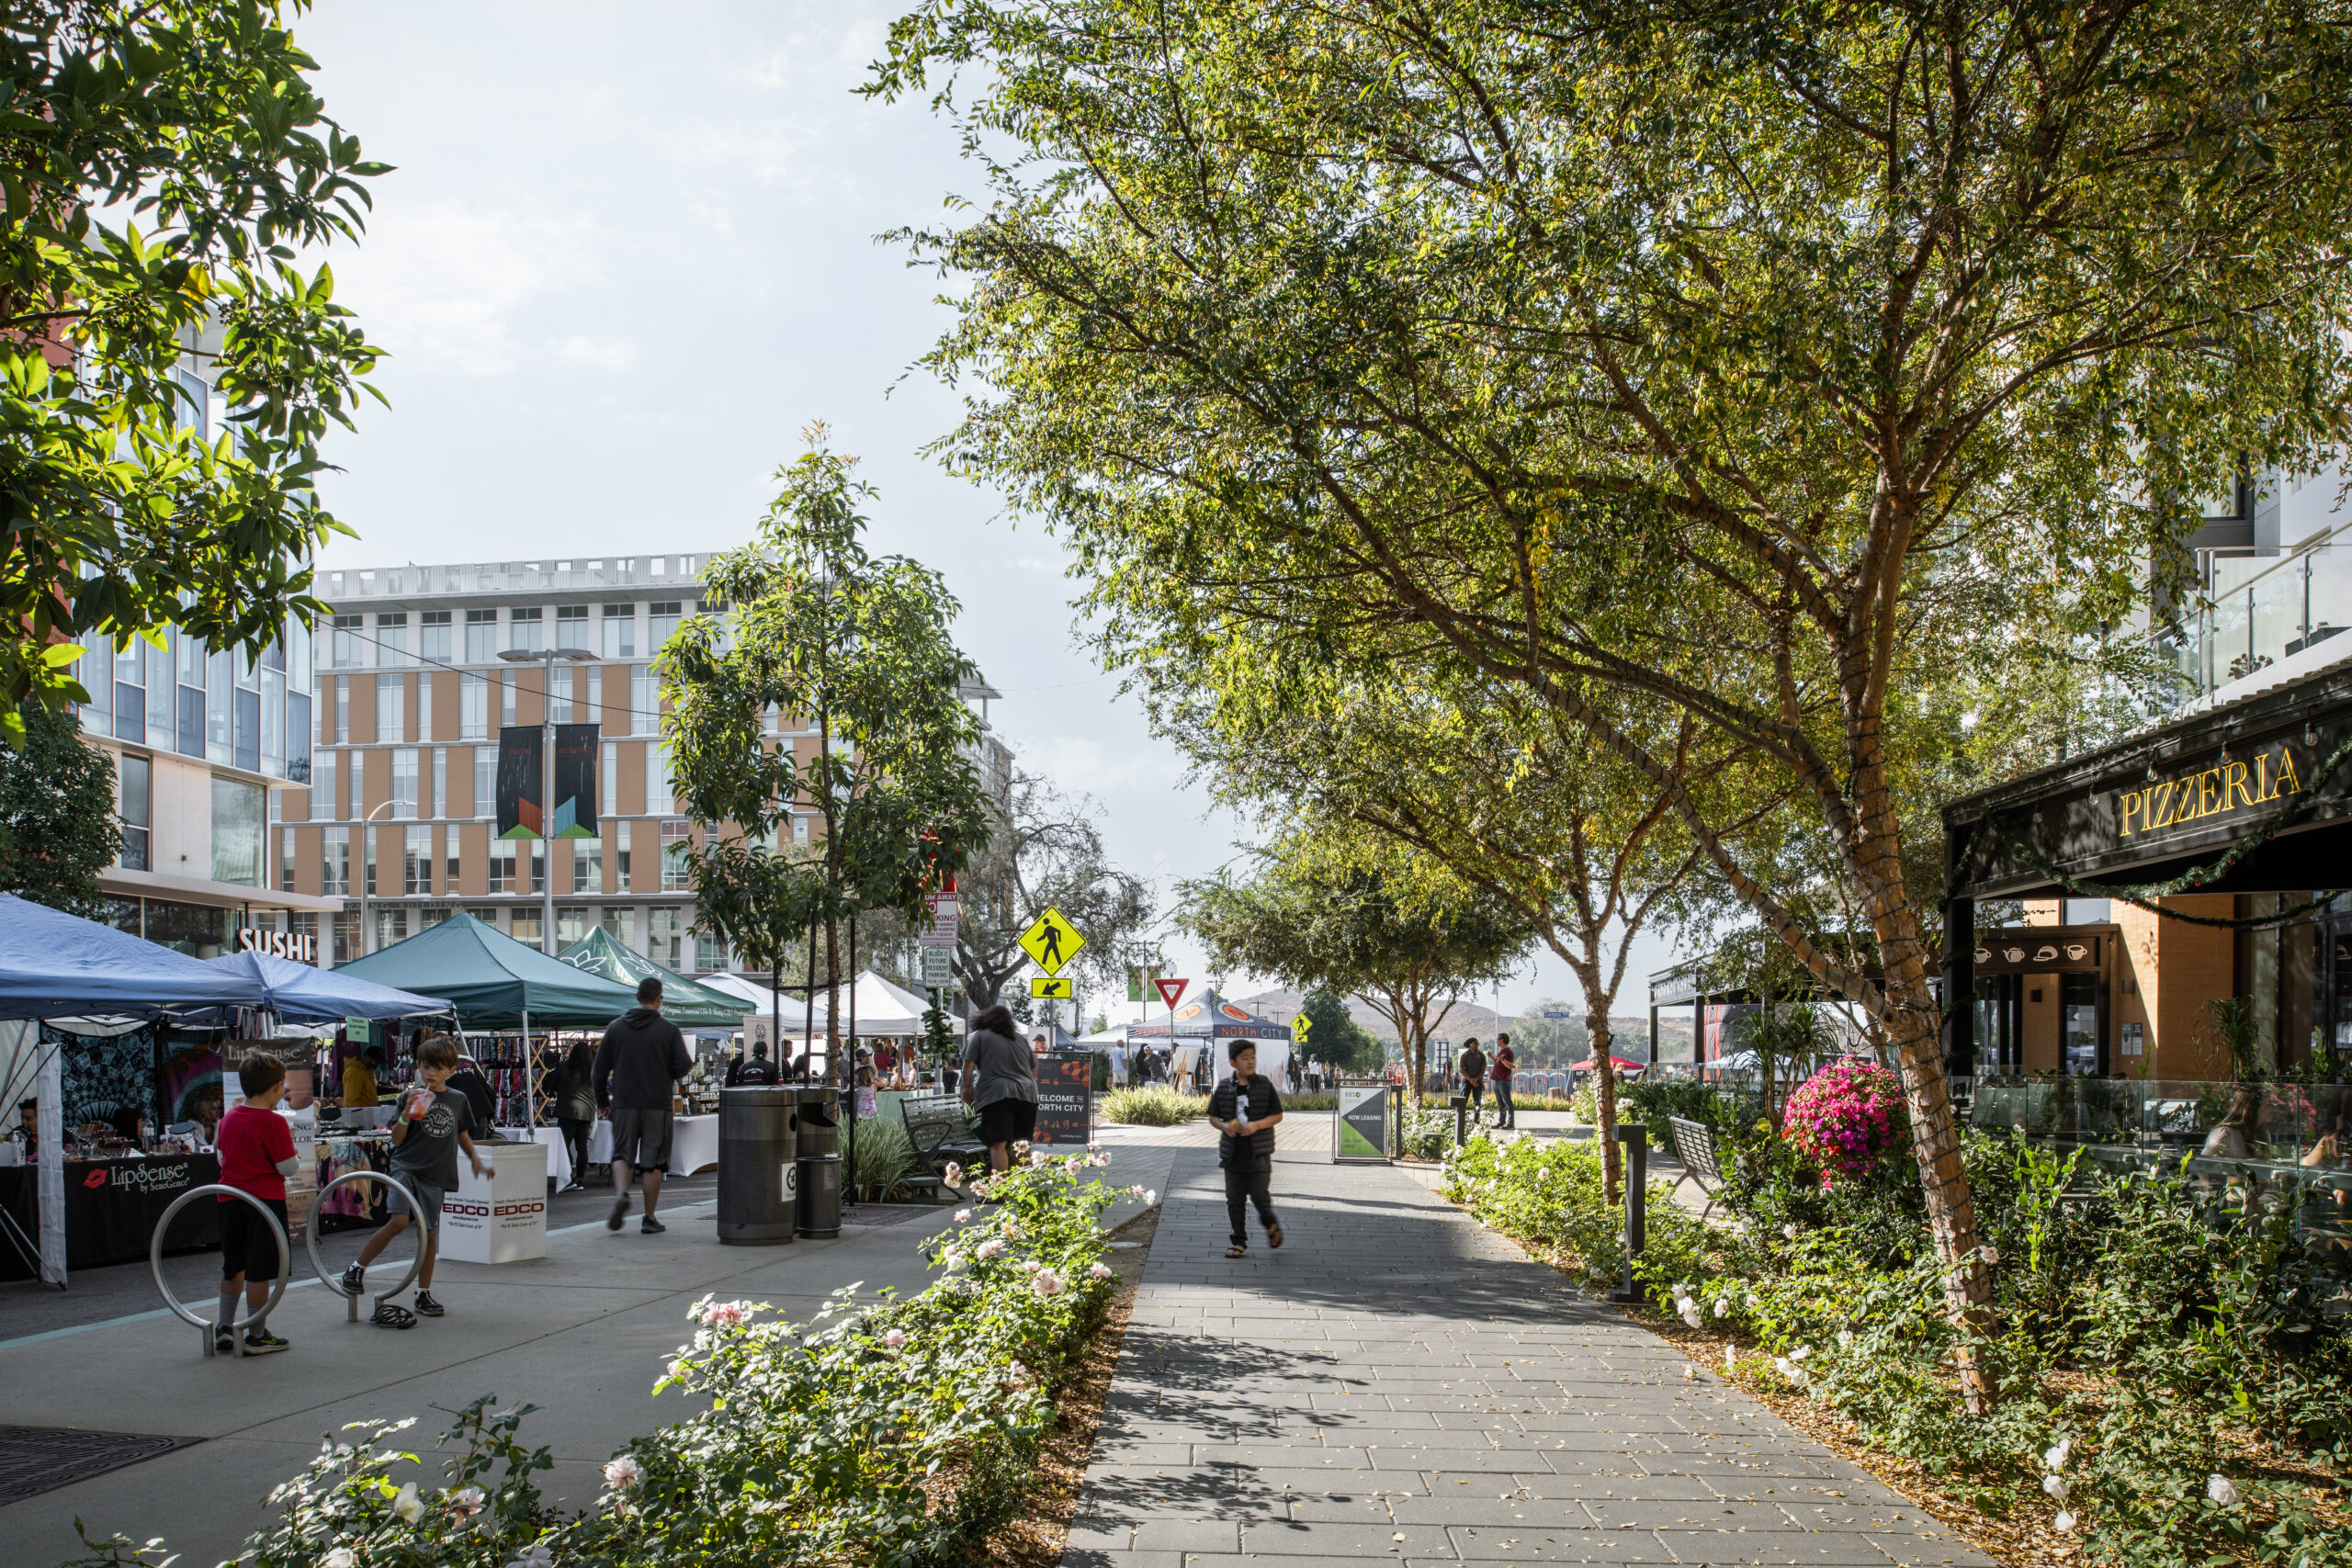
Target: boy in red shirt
{"type": "Point", "coordinates": [256, 1150]}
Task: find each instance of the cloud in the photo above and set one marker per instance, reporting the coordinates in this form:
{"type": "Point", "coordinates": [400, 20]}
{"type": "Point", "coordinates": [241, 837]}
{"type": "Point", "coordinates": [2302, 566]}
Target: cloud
{"type": "Point", "coordinates": [604, 353]}
{"type": "Point", "coordinates": [1039, 564]}
{"type": "Point", "coordinates": [440, 284]}
{"type": "Point", "coordinates": [1077, 763]}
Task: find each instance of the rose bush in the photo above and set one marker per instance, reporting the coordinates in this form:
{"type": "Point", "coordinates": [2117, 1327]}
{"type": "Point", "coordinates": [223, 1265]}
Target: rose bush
{"type": "Point", "coordinates": [833, 1441]}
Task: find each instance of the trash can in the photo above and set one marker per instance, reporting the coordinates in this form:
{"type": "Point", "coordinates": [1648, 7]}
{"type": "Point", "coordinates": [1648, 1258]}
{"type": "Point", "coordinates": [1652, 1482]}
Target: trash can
{"type": "Point", "coordinates": [819, 1164]}
{"type": "Point", "coordinates": [759, 1173]}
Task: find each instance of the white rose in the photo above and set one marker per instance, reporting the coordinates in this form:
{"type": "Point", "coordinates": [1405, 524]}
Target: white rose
{"type": "Point", "coordinates": [341, 1557]}
{"type": "Point", "coordinates": [2218, 1489]}
{"type": "Point", "coordinates": [408, 1506]}
{"type": "Point", "coordinates": [2054, 1456]}
{"type": "Point", "coordinates": [2065, 1521]}
{"type": "Point", "coordinates": [2057, 1486]}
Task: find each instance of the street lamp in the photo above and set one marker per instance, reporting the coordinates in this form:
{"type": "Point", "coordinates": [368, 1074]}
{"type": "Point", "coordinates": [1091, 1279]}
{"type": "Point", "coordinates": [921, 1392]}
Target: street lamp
{"type": "Point", "coordinates": [368, 874]}
{"type": "Point", "coordinates": [545, 661]}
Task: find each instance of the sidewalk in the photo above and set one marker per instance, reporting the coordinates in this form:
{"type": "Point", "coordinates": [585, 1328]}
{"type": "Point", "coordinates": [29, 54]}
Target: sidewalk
{"type": "Point", "coordinates": [1399, 1384]}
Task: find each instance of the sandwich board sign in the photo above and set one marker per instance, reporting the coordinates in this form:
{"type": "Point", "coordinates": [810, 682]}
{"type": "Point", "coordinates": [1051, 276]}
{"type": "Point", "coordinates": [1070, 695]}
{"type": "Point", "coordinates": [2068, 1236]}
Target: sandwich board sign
{"type": "Point", "coordinates": [1359, 1132]}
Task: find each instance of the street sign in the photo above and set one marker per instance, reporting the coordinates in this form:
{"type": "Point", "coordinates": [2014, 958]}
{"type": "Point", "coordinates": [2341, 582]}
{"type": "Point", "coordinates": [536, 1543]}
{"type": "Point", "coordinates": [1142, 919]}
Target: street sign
{"type": "Point", "coordinates": [938, 967]}
{"type": "Point", "coordinates": [939, 930]}
{"type": "Point", "coordinates": [1299, 1027]}
{"type": "Point", "coordinates": [1060, 990]}
{"type": "Point", "coordinates": [1172, 991]}
{"type": "Point", "coordinates": [1051, 942]}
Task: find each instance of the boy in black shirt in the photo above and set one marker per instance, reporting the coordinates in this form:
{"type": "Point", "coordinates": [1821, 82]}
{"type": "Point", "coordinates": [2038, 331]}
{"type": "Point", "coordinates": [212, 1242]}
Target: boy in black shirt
{"type": "Point", "coordinates": [1245, 1111]}
{"type": "Point", "coordinates": [432, 1123]}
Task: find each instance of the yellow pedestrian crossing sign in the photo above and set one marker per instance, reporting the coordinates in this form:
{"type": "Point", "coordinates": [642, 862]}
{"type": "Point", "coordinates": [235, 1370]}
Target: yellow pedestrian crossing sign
{"type": "Point", "coordinates": [1051, 942]}
{"type": "Point", "coordinates": [1056, 990]}
{"type": "Point", "coordinates": [1299, 1026]}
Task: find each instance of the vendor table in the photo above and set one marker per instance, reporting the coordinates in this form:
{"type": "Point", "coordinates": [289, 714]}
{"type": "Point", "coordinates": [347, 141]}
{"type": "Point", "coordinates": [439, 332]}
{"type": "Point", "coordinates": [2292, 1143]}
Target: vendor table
{"type": "Point", "coordinates": [694, 1143]}
{"type": "Point", "coordinates": [112, 1207]}
{"type": "Point", "coordinates": [504, 1219]}
{"type": "Point", "coordinates": [559, 1156]}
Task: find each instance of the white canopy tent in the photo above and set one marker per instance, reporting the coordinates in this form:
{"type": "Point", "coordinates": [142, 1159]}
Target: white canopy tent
{"type": "Point", "coordinates": [881, 1010]}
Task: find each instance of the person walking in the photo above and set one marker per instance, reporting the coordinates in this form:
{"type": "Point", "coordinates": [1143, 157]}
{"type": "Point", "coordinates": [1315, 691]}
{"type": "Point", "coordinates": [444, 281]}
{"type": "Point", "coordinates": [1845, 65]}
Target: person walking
{"type": "Point", "coordinates": [571, 1095]}
{"type": "Point", "coordinates": [1472, 1067]}
{"type": "Point", "coordinates": [641, 1056]}
{"type": "Point", "coordinates": [1506, 1067]}
{"type": "Point", "coordinates": [1245, 1111]}
{"type": "Point", "coordinates": [432, 1122]}
{"type": "Point", "coordinates": [1000, 1083]}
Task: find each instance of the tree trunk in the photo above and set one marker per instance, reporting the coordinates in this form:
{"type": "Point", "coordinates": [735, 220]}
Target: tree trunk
{"type": "Point", "coordinates": [1604, 1092]}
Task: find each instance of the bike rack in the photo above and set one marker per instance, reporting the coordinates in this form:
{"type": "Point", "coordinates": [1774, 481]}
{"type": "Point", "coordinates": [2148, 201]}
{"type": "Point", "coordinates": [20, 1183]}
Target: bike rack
{"type": "Point", "coordinates": [334, 1281]}
{"type": "Point", "coordinates": [180, 1308]}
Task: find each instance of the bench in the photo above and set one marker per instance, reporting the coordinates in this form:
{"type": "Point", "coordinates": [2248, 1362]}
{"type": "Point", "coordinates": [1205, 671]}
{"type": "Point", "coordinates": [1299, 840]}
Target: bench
{"type": "Point", "coordinates": [941, 1130]}
{"type": "Point", "coordinates": [1694, 1145]}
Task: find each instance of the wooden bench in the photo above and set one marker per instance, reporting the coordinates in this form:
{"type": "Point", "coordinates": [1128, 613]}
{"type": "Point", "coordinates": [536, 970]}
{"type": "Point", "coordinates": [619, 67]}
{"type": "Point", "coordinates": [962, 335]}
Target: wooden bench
{"type": "Point", "coordinates": [942, 1130]}
{"type": "Point", "coordinates": [1694, 1145]}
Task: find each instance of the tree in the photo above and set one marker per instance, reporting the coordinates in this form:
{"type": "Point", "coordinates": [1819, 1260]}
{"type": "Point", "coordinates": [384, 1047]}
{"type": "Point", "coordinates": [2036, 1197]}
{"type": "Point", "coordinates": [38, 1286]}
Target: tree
{"type": "Point", "coordinates": [158, 162]}
{"type": "Point", "coordinates": [57, 815]}
{"type": "Point", "coordinates": [1369, 919]}
{"type": "Point", "coordinates": [1045, 849]}
{"type": "Point", "coordinates": [814, 626]}
{"type": "Point", "coordinates": [1752, 364]}
{"type": "Point", "coordinates": [1336, 1038]}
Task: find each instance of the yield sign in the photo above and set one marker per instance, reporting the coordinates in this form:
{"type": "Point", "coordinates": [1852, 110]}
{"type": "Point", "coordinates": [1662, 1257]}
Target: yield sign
{"type": "Point", "coordinates": [1172, 991]}
{"type": "Point", "coordinates": [1051, 941]}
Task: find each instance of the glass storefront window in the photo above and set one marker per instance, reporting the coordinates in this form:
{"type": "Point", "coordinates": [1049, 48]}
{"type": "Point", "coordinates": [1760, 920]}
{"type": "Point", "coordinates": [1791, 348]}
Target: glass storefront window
{"type": "Point", "coordinates": [2079, 1023]}
{"type": "Point", "coordinates": [196, 930]}
{"type": "Point", "coordinates": [622, 924]}
{"type": "Point", "coordinates": [239, 814]}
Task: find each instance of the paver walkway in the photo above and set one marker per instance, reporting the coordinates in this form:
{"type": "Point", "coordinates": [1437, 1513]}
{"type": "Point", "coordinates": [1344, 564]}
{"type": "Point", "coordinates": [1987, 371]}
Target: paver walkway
{"type": "Point", "coordinates": [1398, 1384]}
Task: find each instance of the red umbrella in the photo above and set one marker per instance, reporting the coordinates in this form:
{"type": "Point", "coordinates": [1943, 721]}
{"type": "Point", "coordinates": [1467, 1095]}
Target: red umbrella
{"type": "Point", "coordinates": [1619, 1063]}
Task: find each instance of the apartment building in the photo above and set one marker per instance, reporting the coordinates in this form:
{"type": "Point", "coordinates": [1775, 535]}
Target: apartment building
{"type": "Point", "coordinates": [411, 692]}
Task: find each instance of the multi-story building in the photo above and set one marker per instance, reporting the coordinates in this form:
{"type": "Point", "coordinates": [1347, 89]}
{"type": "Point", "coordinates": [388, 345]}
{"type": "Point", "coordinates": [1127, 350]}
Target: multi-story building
{"type": "Point", "coordinates": [411, 694]}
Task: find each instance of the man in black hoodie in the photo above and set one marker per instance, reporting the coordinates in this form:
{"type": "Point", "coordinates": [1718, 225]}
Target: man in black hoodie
{"type": "Point", "coordinates": [642, 1055]}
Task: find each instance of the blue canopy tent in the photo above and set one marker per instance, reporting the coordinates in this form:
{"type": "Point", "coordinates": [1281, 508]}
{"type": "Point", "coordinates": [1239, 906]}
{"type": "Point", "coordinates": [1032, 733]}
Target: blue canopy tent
{"type": "Point", "coordinates": [54, 964]}
{"type": "Point", "coordinates": [303, 994]}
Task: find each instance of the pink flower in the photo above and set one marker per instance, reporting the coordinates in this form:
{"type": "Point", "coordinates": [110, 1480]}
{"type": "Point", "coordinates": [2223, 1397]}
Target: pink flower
{"type": "Point", "coordinates": [992, 1246]}
{"type": "Point", "coordinates": [623, 1473]}
{"type": "Point", "coordinates": [953, 1175]}
{"type": "Point", "coordinates": [1100, 1272]}
{"type": "Point", "coordinates": [1046, 1282]}
{"type": "Point", "coordinates": [896, 1340]}
{"type": "Point", "coordinates": [722, 1314]}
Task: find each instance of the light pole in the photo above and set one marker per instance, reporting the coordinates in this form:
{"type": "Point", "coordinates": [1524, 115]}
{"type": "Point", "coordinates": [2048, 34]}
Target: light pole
{"type": "Point", "coordinates": [368, 874]}
{"type": "Point", "coordinates": [545, 661]}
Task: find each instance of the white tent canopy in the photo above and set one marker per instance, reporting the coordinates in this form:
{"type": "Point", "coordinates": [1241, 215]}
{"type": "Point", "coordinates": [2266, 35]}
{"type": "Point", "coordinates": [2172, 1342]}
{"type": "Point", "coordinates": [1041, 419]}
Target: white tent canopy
{"type": "Point", "coordinates": [883, 1010]}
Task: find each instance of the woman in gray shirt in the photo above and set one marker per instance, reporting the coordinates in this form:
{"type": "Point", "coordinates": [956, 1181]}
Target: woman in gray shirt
{"type": "Point", "coordinates": [1001, 1082]}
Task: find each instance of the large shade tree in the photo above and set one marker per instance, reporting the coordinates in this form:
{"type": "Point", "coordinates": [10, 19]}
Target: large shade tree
{"type": "Point", "coordinates": [160, 166]}
{"type": "Point", "coordinates": [1684, 349]}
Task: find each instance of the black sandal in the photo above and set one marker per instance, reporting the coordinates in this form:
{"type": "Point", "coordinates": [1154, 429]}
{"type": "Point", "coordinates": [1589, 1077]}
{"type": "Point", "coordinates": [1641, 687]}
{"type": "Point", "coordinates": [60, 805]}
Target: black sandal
{"type": "Point", "coordinates": [1273, 1236]}
{"type": "Point", "coordinates": [1236, 1252]}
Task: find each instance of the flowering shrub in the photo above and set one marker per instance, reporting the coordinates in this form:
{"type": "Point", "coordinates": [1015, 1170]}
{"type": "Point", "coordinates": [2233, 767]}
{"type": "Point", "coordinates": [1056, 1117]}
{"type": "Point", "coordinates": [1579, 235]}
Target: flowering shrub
{"type": "Point", "coordinates": [1846, 1117]}
{"type": "Point", "coordinates": [817, 1442]}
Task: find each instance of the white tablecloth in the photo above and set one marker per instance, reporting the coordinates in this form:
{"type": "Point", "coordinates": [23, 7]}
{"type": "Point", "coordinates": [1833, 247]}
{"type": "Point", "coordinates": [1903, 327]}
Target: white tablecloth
{"type": "Point", "coordinates": [559, 1156]}
{"type": "Point", "coordinates": [694, 1143]}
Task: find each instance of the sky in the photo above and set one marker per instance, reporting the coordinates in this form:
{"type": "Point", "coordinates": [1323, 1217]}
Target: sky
{"type": "Point", "coordinates": [627, 253]}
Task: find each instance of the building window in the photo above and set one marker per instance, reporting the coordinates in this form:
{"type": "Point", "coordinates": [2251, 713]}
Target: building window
{"type": "Point", "coordinates": [571, 924]}
{"type": "Point", "coordinates": [572, 626]}
{"type": "Point", "coordinates": [426, 918]}
{"type": "Point", "coordinates": [416, 860]}
{"type": "Point", "coordinates": [133, 783]}
{"type": "Point", "coordinates": [481, 636]}
{"type": "Point", "coordinates": [247, 753]}
{"type": "Point", "coordinates": [392, 711]}
{"type": "Point", "coordinates": [451, 860]}
{"type": "Point", "coordinates": [485, 781]}
{"type": "Point", "coordinates": [440, 782]}
{"type": "Point", "coordinates": [219, 701]}
{"type": "Point", "coordinates": [474, 706]}
{"type": "Point", "coordinates": [506, 697]}
{"type": "Point", "coordinates": [285, 859]}
{"type": "Point", "coordinates": [587, 865]}
{"type": "Point", "coordinates": [356, 770]}
{"type": "Point", "coordinates": [238, 818]}
{"type": "Point", "coordinates": [433, 637]}
{"type": "Point", "coordinates": [2083, 912]}
{"type": "Point", "coordinates": [523, 631]}
{"type": "Point", "coordinates": [594, 675]}
{"type": "Point", "coordinates": [324, 803]}
{"type": "Point", "coordinates": [661, 620]}
{"type": "Point", "coordinates": [403, 782]}
{"type": "Point", "coordinates": [273, 724]}
{"type": "Point", "coordinates": [620, 631]}
{"type": "Point", "coordinates": [711, 951]}
{"type": "Point", "coordinates": [621, 922]}
{"type": "Point", "coordinates": [800, 829]}
{"type": "Point", "coordinates": [665, 937]}
{"type": "Point", "coordinates": [187, 675]}
{"type": "Point", "coordinates": [659, 801]}
{"type": "Point", "coordinates": [391, 926]}
{"type": "Point", "coordinates": [562, 686]}
{"type": "Point", "coordinates": [424, 706]}
{"type": "Point", "coordinates": [644, 700]}
{"type": "Point", "coordinates": [501, 865]}
{"type": "Point", "coordinates": [523, 926]}
{"type": "Point", "coordinates": [391, 638]}
{"type": "Point", "coordinates": [343, 710]}
{"type": "Point", "coordinates": [343, 651]}
{"type": "Point", "coordinates": [609, 789]}
{"type": "Point", "coordinates": [335, 862]}
{"type": "Point", "coordinates": [345, 942]}
{"type": "Point", "coordinates": [621, 858]}
{"type": "Point", "coordinates": [675, 841]}
{"type": "Point", "coordinates": [539, 866]}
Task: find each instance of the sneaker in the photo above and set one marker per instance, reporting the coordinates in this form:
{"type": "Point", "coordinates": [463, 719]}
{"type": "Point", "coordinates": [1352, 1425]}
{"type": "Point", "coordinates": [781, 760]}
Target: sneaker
{"type": "Point", "coordinates": [224, 1342]}
{"type": "Point", "coordinates": [355, 1281]}
{"type": "Point", "coordinates": [261, 1342]}
{"type": "Point", "coordinates": [651, 1227]}
{"type": "Point", "coordinates": [427, 1305]}
{"type": "Point", "coordinates": [620, 1213]}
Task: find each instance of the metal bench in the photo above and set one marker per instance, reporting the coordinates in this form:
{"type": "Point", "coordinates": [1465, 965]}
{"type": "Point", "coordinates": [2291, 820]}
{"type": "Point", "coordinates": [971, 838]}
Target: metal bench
{"type": "Point", "coordinates": [941, 1130]}
{"type": "Point", "coordinates": [1694, 1145]}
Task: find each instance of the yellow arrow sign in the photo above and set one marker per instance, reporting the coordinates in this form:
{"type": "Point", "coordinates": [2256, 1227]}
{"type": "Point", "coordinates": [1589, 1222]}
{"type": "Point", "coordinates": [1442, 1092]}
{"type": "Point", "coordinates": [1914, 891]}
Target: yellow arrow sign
{"type": "Point", "coordinates": [1061, 990]}
{"type": "Point", "coordinates": [1051, 942]}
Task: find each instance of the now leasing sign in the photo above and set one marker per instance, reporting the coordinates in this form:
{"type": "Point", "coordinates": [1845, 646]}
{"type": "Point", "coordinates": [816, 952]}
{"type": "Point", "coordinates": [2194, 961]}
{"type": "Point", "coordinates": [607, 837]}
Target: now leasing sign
{"type": "Point", "coordinates": [1362, 1130]}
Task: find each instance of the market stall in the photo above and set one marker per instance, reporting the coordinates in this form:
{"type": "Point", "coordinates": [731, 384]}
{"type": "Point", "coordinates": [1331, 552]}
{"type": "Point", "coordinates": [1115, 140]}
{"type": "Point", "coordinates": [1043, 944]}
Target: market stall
{"type": "Point", "coordinates": [55, 967]}
{"type": "Point", "coordinates": [689, 1004]}
{"type": "Point", "coordinates": [1207, 1022]}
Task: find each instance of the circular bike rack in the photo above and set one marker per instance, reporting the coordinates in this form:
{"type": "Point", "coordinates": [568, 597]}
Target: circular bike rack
{"type": "Point", "coordinates": [155, 1259]}
{"type": "Point", "coordinates": [334, 1281]}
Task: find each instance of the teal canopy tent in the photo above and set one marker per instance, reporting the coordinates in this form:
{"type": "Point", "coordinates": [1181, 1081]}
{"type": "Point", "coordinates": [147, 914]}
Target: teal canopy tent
{"type": "Point", "coordinates": [493, 981]}
{"type": "Point", "coordinates": [684, 1003]}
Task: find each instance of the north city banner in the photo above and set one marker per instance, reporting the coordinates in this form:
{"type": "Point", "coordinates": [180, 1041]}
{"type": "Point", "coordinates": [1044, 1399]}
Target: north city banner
{"type": "Point", "coordinates": [575, 780]}
{"type": "Point", "coordinates": [1361, 1132]}
{"type": "Point", "coordinates": [519, 780]}
{"type": "Point", "coordinates": [1065, 1098]}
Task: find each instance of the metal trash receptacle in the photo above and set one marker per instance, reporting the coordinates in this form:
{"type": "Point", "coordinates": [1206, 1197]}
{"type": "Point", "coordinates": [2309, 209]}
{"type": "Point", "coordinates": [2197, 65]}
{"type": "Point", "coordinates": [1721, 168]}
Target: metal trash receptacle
{"type": "Point", "coordinates": [819, 1164]}
{"type": "Point", "coordinates": [759, 1168]}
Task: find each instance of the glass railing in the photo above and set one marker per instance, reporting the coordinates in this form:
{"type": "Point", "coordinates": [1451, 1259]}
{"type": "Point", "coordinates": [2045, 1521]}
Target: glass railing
{"type": "Point", "coordinates": [2263, 606]}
